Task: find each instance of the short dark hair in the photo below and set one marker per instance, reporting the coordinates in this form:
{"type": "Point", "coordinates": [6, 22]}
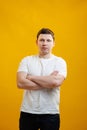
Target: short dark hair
{"type": "Point", "coordinates": [46, 31]}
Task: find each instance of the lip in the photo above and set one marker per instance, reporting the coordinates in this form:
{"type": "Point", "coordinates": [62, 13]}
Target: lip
{"type": "Point", "coordinates": [44, 47]}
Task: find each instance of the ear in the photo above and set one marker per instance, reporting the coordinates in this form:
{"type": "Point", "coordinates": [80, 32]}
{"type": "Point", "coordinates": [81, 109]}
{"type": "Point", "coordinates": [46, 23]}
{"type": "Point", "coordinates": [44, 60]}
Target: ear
{"type": "Point", "coordinates": [53, 44]}
{"type": "Point", "coordinates": [36, 42]}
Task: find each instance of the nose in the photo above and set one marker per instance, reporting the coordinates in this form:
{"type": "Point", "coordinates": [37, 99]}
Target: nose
{"type": "Point", "coordinates": [44, 43]}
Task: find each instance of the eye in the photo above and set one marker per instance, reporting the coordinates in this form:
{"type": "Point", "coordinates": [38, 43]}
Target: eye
{"type": "Point", "coordinates": [48, 40]}
{"type": "Point", "coordinates": [42, 40]}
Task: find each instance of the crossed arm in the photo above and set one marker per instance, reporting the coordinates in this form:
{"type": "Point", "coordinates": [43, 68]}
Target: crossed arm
{"type": "Point", "coordinates": [30, 82]}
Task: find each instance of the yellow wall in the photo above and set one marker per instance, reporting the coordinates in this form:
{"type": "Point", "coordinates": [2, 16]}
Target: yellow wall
{"type": "Point", "coordinates": [19, 23]}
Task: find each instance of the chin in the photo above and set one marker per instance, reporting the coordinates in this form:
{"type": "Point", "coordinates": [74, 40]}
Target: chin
{"type": "Point", "coordinates": [45, 52]}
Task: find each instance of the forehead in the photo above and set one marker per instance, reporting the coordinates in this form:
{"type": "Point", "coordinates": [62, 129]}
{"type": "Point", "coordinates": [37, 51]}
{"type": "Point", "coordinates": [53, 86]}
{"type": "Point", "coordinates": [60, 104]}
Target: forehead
{"type": "Point", "coordinates": [45, 36]}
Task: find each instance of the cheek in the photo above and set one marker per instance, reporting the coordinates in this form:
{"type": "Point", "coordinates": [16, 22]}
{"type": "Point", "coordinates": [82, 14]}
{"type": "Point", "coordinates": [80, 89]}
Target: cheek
{"type": "Point", "coordinates": [52, 45]}
{"type": "Point", "coordinates": [39, 45]}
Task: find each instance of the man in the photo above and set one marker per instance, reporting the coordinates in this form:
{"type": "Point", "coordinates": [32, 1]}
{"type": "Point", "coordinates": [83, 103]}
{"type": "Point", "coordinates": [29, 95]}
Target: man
{"type": "Point", "coordinates": [41, 77]}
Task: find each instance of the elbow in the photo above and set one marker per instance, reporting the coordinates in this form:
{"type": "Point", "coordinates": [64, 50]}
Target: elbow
{"type": "Point", "coordinates": [56, 84]}
{"type": "Point", "coordinates": [19, 85]}
{"type": "Point", "coordinates": [58, 81]}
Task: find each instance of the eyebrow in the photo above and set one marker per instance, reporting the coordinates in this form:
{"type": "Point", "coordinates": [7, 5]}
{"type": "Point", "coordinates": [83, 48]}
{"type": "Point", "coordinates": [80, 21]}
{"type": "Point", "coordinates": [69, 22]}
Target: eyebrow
{"type": "Point", "coordinates": [42, 39]}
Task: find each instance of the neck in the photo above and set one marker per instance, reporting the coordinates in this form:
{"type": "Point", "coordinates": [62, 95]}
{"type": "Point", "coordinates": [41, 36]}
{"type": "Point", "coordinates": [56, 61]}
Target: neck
{"type": "Point", "coordinates": [46, 56]}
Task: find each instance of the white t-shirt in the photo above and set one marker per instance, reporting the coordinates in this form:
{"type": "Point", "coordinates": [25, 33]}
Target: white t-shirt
{"type": "Point", "coordinates": [45, 101]}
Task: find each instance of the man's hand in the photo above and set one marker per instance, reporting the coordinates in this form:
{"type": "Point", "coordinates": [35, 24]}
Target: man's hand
{"type": "Point", "coordinates": [54, 73]}
{"type": "Point", "coordinates": [26, 83]}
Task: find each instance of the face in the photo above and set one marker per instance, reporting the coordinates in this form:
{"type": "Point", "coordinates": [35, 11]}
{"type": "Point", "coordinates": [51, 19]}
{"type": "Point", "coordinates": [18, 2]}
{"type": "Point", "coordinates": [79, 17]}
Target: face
{"type": "Point", "coordinates": [45, 43]}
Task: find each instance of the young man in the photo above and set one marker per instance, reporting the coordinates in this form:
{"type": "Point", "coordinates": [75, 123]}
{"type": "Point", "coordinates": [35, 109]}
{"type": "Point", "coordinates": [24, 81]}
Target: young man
{"type": "Point", "coordinates": [41, 77]}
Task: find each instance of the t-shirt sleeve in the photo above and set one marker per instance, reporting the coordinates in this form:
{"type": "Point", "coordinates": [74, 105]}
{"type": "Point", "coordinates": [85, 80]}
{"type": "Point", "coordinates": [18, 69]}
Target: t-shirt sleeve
{"type": "Point", "coordinates": [62, 67]}
{"type": "Point", "coordinates": [23, 66]}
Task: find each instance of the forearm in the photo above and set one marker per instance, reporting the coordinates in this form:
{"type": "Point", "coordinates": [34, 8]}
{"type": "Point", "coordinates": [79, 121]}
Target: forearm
{"type": "Point", "coordinates": [27, 84]}
{"type": "Point", "coordinates": [43, 81]}
{"type": "Point", "coordinates": [49, 81]}
{"type": "Point", "coordinates": [24, 83]}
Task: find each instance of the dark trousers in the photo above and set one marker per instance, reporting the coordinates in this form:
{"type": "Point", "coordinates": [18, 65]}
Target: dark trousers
{"type": "Point", "coordinates": [39, 121]}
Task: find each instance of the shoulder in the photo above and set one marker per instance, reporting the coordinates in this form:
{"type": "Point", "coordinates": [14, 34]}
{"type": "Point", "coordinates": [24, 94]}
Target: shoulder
{"type": "Point", "coordinates": [60, 59]}
{"type": "Point", "coordinates": [29, 58]}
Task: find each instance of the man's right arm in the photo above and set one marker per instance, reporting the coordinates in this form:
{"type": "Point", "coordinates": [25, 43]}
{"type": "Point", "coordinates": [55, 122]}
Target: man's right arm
{"type": "Point", "coordinates": [24, 83]}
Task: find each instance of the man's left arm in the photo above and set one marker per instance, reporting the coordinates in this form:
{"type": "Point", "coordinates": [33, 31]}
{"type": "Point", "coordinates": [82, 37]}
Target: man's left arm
{"type": "Point", "coordinates": [51, 81]}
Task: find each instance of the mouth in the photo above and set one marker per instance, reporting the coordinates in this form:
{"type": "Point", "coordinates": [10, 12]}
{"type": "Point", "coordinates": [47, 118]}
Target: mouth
{"type": "Point", "coordinates": [44, 48]}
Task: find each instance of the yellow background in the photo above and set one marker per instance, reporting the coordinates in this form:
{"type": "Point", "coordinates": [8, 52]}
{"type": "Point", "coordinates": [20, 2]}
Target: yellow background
{"type": "Point", "coordinates": [19, 24]}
